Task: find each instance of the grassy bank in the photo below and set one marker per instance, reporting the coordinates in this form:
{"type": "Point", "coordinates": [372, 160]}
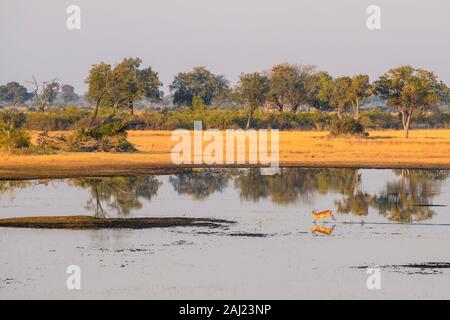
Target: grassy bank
{"type": "Point", "coordinates": [383, 149]}
{"type": "Point", "coordinates": [87, 222]}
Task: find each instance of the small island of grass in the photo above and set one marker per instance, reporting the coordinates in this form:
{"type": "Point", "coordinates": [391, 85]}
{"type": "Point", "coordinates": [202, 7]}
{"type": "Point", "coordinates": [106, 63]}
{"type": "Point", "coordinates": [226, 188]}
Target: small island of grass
{"type": "Point", "coordinates": [93, 223]}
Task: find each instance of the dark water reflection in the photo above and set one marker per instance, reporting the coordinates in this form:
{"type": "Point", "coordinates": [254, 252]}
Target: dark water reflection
{"type": "Point", "coordinates": [405, 197]}
{"type": "Point", "coordinates": [120, 194]}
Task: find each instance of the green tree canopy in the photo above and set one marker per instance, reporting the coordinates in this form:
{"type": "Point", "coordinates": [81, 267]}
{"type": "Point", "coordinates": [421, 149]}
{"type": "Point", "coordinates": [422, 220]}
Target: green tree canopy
{"type": "Point", "coordinates": [321, 91]}
{"type": "Point", "coordinates": [359, 90]}
{"type": "Point", "coordinates": [407, 90]}
{"type": "Point", "coordinates": [99, 84]}
{"type": "Point", "coordinates": [199, 82]}
{"type": "Point", "coordinates": [14, 93]}
{"type": "Point", "coordinates": [291, 86]}
{"type": "Point", "coordinates": [68, 94]}
{"type": "Point", "coordinates": [253, 89]}
{"type": "Point", "coordinates": [122, 85]}
{"type": "Point", "coordinates": [340, 97]}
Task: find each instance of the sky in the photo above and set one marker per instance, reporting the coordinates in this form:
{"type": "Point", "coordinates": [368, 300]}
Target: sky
{"type": "Point", "coordinates": [227, 36]}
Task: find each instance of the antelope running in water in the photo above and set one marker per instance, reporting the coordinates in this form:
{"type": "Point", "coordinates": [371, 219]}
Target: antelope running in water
{"type": "Point", "coordinates": [323, 230]}
{"type": "Point", "coordinates": [322, 215]}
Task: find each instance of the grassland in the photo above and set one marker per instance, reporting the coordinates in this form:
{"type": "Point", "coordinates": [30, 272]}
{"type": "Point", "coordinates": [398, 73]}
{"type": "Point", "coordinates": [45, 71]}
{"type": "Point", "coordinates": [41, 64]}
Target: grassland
{"type": "Point", "coordinates": [383, 149]}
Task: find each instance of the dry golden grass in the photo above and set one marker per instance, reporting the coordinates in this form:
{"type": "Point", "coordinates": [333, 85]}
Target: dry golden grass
{"type": "Point", "coordinates": [383, 149]}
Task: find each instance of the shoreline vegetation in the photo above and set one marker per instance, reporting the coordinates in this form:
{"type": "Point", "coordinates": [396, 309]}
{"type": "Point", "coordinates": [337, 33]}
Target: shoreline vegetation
{"type": "Point", "coordinates": [425, 149]}
{"type": "Point", "coordinates": [94, 223]}
{"type": "Point", "coordinates": [339, 120]}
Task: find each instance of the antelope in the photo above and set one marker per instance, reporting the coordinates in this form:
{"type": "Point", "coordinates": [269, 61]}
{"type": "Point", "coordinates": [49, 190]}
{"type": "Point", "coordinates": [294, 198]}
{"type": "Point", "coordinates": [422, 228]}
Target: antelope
{"type": "Point", "coordinates": [322, 215]}
{"type": "Point", "coordinates": [323, 230]}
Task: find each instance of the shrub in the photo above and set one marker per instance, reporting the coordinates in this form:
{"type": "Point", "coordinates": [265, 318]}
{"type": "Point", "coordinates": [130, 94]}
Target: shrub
{"type": "Point", "coordinates": [378, 119]}
{"type": "Point", "coordinates": [12, 135]}
{"type": "Point", "coordinates": [347, 126]}
{"type": "Point", "coordinates": [55, 119]}
{"type": "Point", "coordinates": [108, 136]}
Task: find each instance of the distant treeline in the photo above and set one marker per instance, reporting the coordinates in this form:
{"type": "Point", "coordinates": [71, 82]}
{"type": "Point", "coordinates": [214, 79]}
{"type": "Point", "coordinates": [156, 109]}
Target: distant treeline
{"type": "Point", "coordinates": [280, 97]}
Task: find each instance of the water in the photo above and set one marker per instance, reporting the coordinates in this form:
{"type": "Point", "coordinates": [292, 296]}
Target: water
{"type": "Point", "coordinates": [384, 219]}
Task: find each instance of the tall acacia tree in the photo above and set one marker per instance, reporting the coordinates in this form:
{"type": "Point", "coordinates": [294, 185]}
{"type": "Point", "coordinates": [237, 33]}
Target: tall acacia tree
{"type": "Point", "coordinates": [321, 90]}
{"type": "Point", "coordinates": [99, 82]}
{"type": "Point", "coordinates": [291, 85]}
{"type": "Point", "coordinates": [340, 94]}
{"type": "Point", "coordinates": [199, 82]}
{"type": "Point", "coordinates": [151, 84]}
{"type": "Point", "coordinates": [408, 90]}
{"type": "Point", "coordinates": [126, 86]}
{"type": "Point", "coordinates": [253, 89]}
{"type": "Point", "coordinates": [359, 90]}
{"type": "Point", "coordinates": [121, 86]}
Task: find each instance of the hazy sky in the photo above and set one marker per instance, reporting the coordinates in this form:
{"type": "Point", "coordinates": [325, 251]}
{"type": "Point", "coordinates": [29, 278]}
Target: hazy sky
{"type": "Point", "coordinates": [226, 36]}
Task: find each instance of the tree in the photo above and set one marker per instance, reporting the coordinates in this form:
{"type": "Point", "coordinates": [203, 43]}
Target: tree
{"type": "Point", "coordinates": [121, 194]}
{"type": "Point", "coordinates": [99, 82]}
{"type": "Point", "coordinates": [253, 89]}
{"type": "Point", "coordinates": [198, 104]}
{"type": "Point", "coordinates": [359, 90]}
{"type": "Point", "coordinates": [126, 86]}
{"type": "Point", "coordinates": [407, 90]}
{"type": "Point", "coordinates": [409, 198]}
{"type": "Point", "coordinates": [11, 133]}
{"type": "Point", "coordinates": [290, 86]}
{"type": "Point", "coordinates": [200, 185]}
{"type": "Point", "coordinates": [121, 86]}
{"type": "Point", "coordinates": [151, 84]}
{"type": "Point", "coordinates": [14, 93]}
{"type": "Point", "coordinates": [199, 82]}
{"type": "Point", "coordinates": [45, 92]}
{"type": "Point", "coordinates": [340, 94]}
{"type": "Point", "coordinates": [321, 91]}
{"type": "Point", "coordinates": [68, 94]}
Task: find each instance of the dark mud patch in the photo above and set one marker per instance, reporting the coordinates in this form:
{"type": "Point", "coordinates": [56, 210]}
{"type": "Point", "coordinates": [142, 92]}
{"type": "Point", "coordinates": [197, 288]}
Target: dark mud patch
{"type": "Point", "coordinates": [92, 223]}
{"type": "Point", "coordinates": [248, 235]}
{"type": "Point", "coordinates": [237, 234]}
{"type": "Point", "coordinates": [425, 268]}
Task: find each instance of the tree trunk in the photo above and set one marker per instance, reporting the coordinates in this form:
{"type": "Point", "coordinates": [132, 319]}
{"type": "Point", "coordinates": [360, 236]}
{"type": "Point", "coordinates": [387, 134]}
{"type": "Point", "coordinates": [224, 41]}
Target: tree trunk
{"type": "Point", "coordinates": [94, 115]}
{"type": "Point", "coordinates": [406, 118]}
{"type": "Point", "coordinates": [249, 118]}
{"type": "Point", "coordinates": [406, 132]}
{"type": "Point", "coordinates": [131, 107]}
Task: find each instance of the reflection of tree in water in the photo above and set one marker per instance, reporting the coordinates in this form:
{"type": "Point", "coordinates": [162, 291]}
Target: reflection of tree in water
{"type": "Point", "coordinates": [200, 184]}
{"type": "Point", "coordinates": [348, 183]}
{"type": "Point", "coordinates": [404, 200]}
{"type": "Point", "coordinates": [252, 185]}
{"type": "Point", "coordinates": [409, 198]}
{"type": "Point", "coordinates": [10, 187]}
{"type": "Point", "coordinates": [284, 188]}
{"type": "Point", "coordinates": [118, 193]}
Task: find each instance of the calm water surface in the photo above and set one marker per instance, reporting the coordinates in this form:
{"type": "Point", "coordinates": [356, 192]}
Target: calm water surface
{"type": "Point", "coordinates": [384, 218]}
